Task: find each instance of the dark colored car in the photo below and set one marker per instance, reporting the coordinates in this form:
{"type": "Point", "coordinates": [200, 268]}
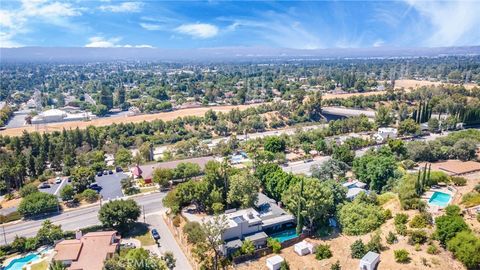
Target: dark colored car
{"type": "Point", "coordinates": [110, 172]}
{"type": "Point", "coordinates": [99, 174]}
{"type": "Point", "coordinates": [95, 186]}
{"type": "Point", "coordinates": [44, 185]}
{"type": "Point", "coordinates": [155, 234]}
{"type": "Point", "coordinates": [105, 172]}
{"type": "Point", "coordinates": [118, 169]}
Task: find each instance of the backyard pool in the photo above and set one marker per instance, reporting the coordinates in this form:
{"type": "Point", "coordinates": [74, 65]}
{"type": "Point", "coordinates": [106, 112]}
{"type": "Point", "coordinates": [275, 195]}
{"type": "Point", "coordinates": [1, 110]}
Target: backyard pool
{"type": "Point", "coordinates": [440, 199]}
{"type": "Point", "coordinates": [18, 264]}
{"type": "Point", "coordinates": [285, 235]}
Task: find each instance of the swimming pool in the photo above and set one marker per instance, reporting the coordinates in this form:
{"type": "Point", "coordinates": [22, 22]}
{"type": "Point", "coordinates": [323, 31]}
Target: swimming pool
{"type": "Point", "coordinates": [285, 235]}
{"type": "Point", "coordinates": [440, 199]}
{"type": "Point", "coordinates": [18, 264]}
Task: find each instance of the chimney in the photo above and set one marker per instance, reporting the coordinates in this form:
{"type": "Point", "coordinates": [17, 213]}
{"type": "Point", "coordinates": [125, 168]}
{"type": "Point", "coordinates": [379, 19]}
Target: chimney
{"type": "Point", "coordinates": [78, 234]}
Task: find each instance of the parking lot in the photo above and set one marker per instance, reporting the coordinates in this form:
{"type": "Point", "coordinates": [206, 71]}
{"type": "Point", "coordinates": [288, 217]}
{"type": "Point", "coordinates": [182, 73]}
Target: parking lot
{"type": "Point", "coordinates": [111, 186]}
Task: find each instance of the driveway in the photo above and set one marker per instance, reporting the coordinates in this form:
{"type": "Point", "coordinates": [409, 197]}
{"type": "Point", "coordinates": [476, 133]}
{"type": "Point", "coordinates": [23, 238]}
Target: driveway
{"type": "Point", "coordinates": [111, 186]}
{"type": "Point", "coordinates": [54, 189]}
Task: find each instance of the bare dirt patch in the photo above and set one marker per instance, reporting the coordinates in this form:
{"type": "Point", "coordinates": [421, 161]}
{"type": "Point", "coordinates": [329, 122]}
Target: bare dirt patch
{"type": "Point", "coordinates": [417, 83]}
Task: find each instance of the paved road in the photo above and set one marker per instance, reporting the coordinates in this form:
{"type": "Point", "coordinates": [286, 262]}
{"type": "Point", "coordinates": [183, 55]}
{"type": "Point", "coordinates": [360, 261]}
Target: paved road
{"type": "Point", "coordinates": [76, 219]}
{"type": "Point", "coordinates": [111, 185]}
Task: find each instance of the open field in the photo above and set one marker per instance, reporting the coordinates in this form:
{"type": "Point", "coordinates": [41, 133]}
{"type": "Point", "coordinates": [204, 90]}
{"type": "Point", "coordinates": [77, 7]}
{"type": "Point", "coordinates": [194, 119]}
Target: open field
{"type": "Point", "coordinates": [166, 116]}
{"type": "Point", "coordinates": [416, 83]}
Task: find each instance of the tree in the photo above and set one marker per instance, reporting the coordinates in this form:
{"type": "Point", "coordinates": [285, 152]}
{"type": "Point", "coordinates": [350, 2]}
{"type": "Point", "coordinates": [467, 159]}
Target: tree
{"type": "Point", "coordinates": [67, 193]}
{"type": "Point", "coordinates": [384, 116]}
{"type": "Point", "coordinates": [243, 190]}
{"type": "Point", "coordinates": [330, 169]}
{"type": "Point", "coordinates": [343, 153]}
{"type": "Point", "coordinates": [38, 203]}
{"type": "Point", "coordinates": [433, 124]}
{"type": "Point", "coordinates": [323, 252]}
{"type": "Point", "coordinates": [106, 97]}
{"type": "Point", "coordinates": [119, 214]}
{"type": "Point", "coordinates": [466, 248]}
{"type": "Point", "coordinates": [274, 244]}
{"type": "Point", "coordinates": [169, 259]}
{"type": "Point", "coordinates": [359, 217]}
{"type": "Point", "coordinates": [27, 190]}
{"type": "Point", "coordinates": [90, 195]}
{"type": "Point", "coordinates": [274, 144]}
{"type": "Point", "coordinates": [186, 170]}
{"type": "Point", "coordinates": [358, 249]}
{"type": "Point", "coordinates": [123, 157]}
{"type": "Point", "coordinates": [375, 169]}
{"type": "Point", "coordinates": [163, 176]}
{"type": "Point", "coordinates": [247, 248]}
{"type": "Point", "coordinates": [408, 127]}
{"type": "Point", "coordinates": [49, 233]}
{"type": "Point", "coordinates": [313, 106]}
{"type": "Point", "coordinates": [213, 230]}
{"type": "Point", "coordinates": [146, 151]}
{"type": "Point", "coordinates": [56, 265]}
{"type": "Point", "coordinates": [142, 259]}
{"type": "Point", "coordinates": [82, 177]}
{"type": "Point", "coordinates": [318, 200]}
{"type": "Point", "coordinates": [465, 149]}
{"type": "Point", "coordinates": [449, 225]}
{"type": "Point", "coordinates": [194, 232]}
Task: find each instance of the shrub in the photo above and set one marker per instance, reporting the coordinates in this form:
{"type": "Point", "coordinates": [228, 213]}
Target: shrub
{"type": "Point", "coordinates": [417, 237]}
{"type": "Point", "coordinates": [375, 243]}
{"type": "Point", "coordinates": [359, 218]}
{"type": "Point", "coordinates": [385, 197]}
{"type": "Point", "coordinates": [421, 221]}
{"type": "Point", "coordinates": [432, 249]}
{"type": "Point", "coordinates": [284, 265]}
{"type": "Point", "coordinates": [466, 248]}
{"type": "Point", "coordinates": [387, 214]}
{"type": "Point", "coordinates": [449, 224]}
{"type": "Point", "coordinates": [358, 249]}
{"type": "Point", "coordinates": [38, 203]}
{"type": "Point", "coordinates": [391, 238]}
{"type": "Point", "coordinates": [323, 252]}
{"type": "Point", "coordinates": [194, 232]}
{"type": "Point", "coordinates": [401, 218]}
{"type": "Point", "coordinates": [401, 256]}
{"type": "Point", "coordinates": [90, 195]}
{"type": "Point", "coordinates": [458, 181]}
{"type": "Point", "coordinates": [248, 248]}
{"type": "Point", "coordinates": [471, 199]}
{"type": "Point", "coordinates": [477, 188]}
{"type": "Point", "coordinates": [274, 244]}
{"type": "Point", "coordinates": [336, 266]}
{"type": "Point", "coordinates": [27, 190]}
{"type": "Point", "coordinates": [418, 247]}
{"type": "Point", "coordinates": [401, 229]}
{"type": "Point", "coordinates": [176, 221]}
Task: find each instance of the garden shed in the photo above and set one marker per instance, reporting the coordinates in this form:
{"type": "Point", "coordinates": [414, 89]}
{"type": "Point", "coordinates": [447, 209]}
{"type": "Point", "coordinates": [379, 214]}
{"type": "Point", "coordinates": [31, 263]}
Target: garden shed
{"type": "Point", "coordinates": [369, 261]}
{"type": "Point", "coordinates": [274, 262]}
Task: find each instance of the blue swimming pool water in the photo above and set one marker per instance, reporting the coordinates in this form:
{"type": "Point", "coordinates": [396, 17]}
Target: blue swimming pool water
{"type": "Point", "coordinates": [18, 264]}
{"type": "Point", "coordinates": [440, 199]}
{"type": "Point", "coordinates": [285, 235]}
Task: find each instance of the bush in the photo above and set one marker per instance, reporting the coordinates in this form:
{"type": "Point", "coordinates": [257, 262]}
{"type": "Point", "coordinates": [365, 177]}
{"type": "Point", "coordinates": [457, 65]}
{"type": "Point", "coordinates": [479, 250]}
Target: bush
{"type": "Point", "coordinates": [471, 199]}
{"type": "Point", "coordinates": [67, 193]}
{"type": "Point", "coordinates": [336, 266]}
{"type": "Point", "coordinates": [177, 221]}
{"type": "Point", "coordinates": [401, 229]}
{"type": "Point", "coordinates": [38, 203]}
{"type": "Point", "coordinates": [119, 214]}
{"type": "Point", "coordinates": [458, 181]}
{"type": "Point", "coordinates": [194, 232]}
{"type": "Point", "coordinates": [401, 218]}
{"type": "Point", "coordinates": [421, 221]}
{"type": "Point", "coordinates": [284, 265]}
{"type": "Point", "coordinates": [248, 248]}
{"type": "Point", "coordinates": [401, 256]}
{"type": "Point", "coordinates": [10, 217]}
{"type": "Point", "coordinates": [375, 243]}
{"type": "Point", "coordinates": [90, 195]}
{"type": "Point", "coordinates": [417, 237]}
{"type": "Point", "coordinates": [358, 249]}
{"type": "Point", "coordinates": [387, 214]}
{"type": "Point", "coordinates": [477, 188]}
{"type": "Point", "coordinates": [432, 249]}
{"type": "Point", "coordinates": [466, 248]}
{"type": "Point", "coordinates": [274, 244]}
{"type": "Point", "coordinates": [449, 224]}
{"type": "Point", "coordinates": [359, 217]}
{"type": "Point", "coordinates": [323, 252]}
{"type": "Point", "coordinates": [27, 190]}
{"type": "Point", "coordinates": [391, 238]}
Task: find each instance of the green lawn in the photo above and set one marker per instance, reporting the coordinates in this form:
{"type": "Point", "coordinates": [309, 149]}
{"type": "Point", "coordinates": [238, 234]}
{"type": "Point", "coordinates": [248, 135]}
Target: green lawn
{"type": "Point", "coordinates": [146, 239]}
{"type": "Point", "coordinates": [141, 232]}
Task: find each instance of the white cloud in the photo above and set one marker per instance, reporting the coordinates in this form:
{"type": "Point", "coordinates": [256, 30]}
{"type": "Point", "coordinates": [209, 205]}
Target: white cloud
{"type": "Point", "coordinates": [198, 30]}
{"type": "Point", "coordinates": [101, 42]}
{"type": "Point", "coordinates": [151, 26]}
{"type": "Point", "coordinates": [378, 43]}
{"type": "Point", "coordinates": [123, 7]}
{"type": "Point", "coordinates": [452, 23]}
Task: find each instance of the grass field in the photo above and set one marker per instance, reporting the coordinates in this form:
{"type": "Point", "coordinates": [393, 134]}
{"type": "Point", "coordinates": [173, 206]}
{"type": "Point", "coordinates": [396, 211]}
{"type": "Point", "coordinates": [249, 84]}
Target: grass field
{"type": "Point", "coordinates": [43, 265]}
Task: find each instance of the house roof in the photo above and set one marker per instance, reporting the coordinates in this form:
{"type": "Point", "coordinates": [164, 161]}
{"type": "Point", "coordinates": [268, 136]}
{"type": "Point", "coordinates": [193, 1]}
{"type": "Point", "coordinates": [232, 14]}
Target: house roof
{"type": "Point", "coordinates": [353, 192]}
{"type": "Point", "coordinates": [370, 257]}
{"type": "Point", "coordinates": [89, 252]}
{"type": "Point", "coordinates": [275, 260]}
{"type": "Point", "coordinates": [257, 236]}
{"type": "Point", "coordinates": [456, 167]}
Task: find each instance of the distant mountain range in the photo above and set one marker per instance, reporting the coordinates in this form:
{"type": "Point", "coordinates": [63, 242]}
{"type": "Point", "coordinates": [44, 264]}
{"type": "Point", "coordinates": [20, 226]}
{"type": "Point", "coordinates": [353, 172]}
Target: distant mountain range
{"type": "Point", "coordinates": [241, 54]}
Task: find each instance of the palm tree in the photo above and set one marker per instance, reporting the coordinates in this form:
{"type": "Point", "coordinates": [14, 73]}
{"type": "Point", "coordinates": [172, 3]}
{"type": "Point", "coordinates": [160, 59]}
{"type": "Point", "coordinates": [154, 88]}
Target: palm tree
{"type": "Point", "coordinates": [57, 265]}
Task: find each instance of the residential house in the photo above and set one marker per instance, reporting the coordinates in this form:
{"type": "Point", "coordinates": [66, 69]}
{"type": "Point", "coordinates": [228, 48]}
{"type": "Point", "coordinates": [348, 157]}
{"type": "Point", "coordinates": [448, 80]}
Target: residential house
{"type": "Point", "coordinates": [354, 188]}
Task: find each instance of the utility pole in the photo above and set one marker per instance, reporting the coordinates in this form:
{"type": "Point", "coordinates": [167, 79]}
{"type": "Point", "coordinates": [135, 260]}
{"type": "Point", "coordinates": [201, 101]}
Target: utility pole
{"type": "Point", "coordinates": [143, 208]}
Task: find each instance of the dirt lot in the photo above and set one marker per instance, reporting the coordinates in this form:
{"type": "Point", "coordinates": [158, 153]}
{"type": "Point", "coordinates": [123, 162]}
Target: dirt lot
{"type": "Point", "coordinates": [416, 83]}
{"type": "Point", "coordinates": [340, 247]}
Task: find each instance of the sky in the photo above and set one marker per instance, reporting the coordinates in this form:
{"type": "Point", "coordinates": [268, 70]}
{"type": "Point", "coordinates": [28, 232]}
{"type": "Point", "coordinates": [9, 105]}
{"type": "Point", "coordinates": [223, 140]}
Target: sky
{"type": "Point", "coordinates": [211, 24]}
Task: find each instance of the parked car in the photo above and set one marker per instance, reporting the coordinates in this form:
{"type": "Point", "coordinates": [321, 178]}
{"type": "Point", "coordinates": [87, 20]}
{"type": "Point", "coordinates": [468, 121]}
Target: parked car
{"type": "Point", "coordinates": [155, 234]}
{"type": "Point", "coordinates": [95, 186]}
{"type": "Point", "coordinates": [118, 169]}
{"type": "Point", "coordinates": [58, 180]}
{"type": "Point", "coordinates": [105, 172]}
{"type": "Point", "coordinates": [308, 160]}
{"type": "Point", "coordinates": [69, 179]}
{"type": "Point", "coordinates": [110, 172]}
{"type": "Point", "coordinates": [99, 174]}
{"type": "Point", "coordinates": [44, 185]}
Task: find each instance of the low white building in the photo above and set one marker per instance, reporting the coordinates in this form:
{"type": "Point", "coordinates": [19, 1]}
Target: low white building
{"type": "Point", "coordinates": [369, 261]}
{"type": "Point", "coordinates": [385, 133]}
{"type": "Point", "coordinates": [56, 115]}
{"type": "Point", "coordinates": [354, 188]}
{"type": "Point", "coordinates": [304, 248]}
{"type": "Point", "coordinates": [274, 262]}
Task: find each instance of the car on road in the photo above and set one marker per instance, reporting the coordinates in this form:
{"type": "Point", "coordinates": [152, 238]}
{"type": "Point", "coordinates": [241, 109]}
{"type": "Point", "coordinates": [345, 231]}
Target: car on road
{"type": "Point", "coordinates": [58, 180]}
{"type": "Point", "coordinates": [95, 186]}
{"type": "Point", "coordinates": [69, 179]}
{"type": "Point", "coordinates": [155, 234]}
{"type": "Point", "coordinates": [308, 160]}
{"type": "Point", "coordinates": [110, 172]}
{"type": "Point", "coordinates": [118, 169]}
{"type": "Point", "coordinates": [44, 185]}
{"type": "Point", "coordinates": [99, 174]}
{"type": "Point", "coordinates": [105, 172]}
